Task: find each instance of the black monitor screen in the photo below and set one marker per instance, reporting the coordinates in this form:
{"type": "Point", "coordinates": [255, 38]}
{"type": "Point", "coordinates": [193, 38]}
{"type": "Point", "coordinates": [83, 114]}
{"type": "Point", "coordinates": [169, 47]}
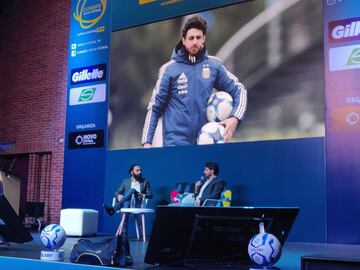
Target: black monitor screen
{"type": "Point", "coordinates": [11, 227]}
{"type": "Point", "coordinates": [190, 234]}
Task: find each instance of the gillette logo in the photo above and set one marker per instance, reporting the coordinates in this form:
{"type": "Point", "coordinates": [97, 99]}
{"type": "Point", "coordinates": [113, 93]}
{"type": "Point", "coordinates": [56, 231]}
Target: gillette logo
{"type": "Point", "coordinates": [88, 74]}
{"type": "Point", "coordinates": [344, 30]}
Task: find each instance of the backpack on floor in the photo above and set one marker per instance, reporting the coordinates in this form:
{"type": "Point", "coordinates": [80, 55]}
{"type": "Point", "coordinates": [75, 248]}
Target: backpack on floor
{"type": "Point", "coordinates": [114, 251]}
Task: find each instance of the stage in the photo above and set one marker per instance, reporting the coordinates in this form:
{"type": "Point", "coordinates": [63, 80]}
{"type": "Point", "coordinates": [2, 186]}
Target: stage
{"type": "Point", "coordinates": [26, 256]}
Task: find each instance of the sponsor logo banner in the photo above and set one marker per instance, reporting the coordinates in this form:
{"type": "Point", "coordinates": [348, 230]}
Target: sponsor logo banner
{"type": "Point", "coordinates": [86, 139]}
{"type": "Point", "coordinates": [141, 2]}
{"type": "Point", "coordinates": [89, 14]}
{"type": "Point", "coordinates": [343, 58]}
{"type": "Point", "coordinates": [346, 118]}
{"type": "Point", "coordinates": [163, 3]}
{"type": "Point", "coordinates": [139, 12]}
{"type": "Point", "coordinates": [88, 74]}
{"type": "Point", "coordinates": [344, 30]}
{"type": "Point", "coordinates": [87, 94]}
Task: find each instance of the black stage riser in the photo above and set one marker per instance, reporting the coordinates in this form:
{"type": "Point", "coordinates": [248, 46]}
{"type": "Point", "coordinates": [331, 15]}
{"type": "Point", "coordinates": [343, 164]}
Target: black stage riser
{"type": "Point", "coordinates": [320, 263]}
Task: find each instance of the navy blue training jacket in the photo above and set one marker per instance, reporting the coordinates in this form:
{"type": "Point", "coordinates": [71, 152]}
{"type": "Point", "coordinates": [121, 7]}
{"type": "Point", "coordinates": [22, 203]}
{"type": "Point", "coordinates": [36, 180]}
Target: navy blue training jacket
{"type": "Point", "coordinates": [181, 92]}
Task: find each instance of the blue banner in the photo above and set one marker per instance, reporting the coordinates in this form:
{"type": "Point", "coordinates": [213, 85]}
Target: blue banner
{"type": "Point", "coordinates": [342, 70]}
{"type": "Point", "coordinates": [87, 103]}
{"type": "Point", "coordinates": [131, 13]}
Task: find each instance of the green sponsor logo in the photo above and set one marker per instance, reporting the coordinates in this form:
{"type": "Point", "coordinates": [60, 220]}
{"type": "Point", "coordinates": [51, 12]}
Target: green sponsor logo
{"type": "Point", "coordinates": [354, 58]}
{"type": "Point", "coordinates": [87, 94]}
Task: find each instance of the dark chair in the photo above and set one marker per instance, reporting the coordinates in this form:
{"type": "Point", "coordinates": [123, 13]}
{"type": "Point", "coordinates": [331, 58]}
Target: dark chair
{"type": "Point", "coordinates": [34, 211]}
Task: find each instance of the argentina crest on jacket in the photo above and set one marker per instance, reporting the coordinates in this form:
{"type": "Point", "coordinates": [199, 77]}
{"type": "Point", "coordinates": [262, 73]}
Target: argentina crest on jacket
{"type": "Point", "coordinates": [206, 71]}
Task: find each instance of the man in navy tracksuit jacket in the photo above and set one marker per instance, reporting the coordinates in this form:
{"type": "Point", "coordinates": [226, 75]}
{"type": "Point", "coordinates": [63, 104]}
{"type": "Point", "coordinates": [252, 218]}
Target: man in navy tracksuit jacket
{"type": "Point", "coordinates": [183, 87]}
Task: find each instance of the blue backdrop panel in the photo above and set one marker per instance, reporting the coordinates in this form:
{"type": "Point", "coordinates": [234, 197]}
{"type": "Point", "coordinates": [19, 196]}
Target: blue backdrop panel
{"type": "Point", "coordinates": [268, 173]}
{"type": "Point", "coordinates": [131, 13]}
{"type": "Point", "coordinates": [342, 71]}
{"type": "Point", "coordinates": [87, 104]}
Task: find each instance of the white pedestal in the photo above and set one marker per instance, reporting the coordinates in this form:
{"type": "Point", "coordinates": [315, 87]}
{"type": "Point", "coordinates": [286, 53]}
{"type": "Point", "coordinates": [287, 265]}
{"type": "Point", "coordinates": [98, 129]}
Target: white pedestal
{"type": "Point", "coordinates": [79, 222]}
{"type": "Point", "coordinates": [52, 255]}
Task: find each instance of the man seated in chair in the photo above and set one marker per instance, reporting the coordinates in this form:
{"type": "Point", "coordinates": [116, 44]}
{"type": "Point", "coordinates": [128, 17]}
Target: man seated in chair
{"type": "Point", "coordinates": [136, 185]}
{"type": "Point", "coordinates": [210, 187]}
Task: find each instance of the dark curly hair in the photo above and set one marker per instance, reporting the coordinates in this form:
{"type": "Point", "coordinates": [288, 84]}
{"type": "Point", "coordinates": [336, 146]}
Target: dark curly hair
{"type": "Point", "coordinates": [196, 22]}
{"type": "Point", "coordinates": [213, 166]}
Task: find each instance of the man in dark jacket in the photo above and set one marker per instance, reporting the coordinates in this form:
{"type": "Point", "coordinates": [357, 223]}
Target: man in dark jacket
{"type": "Point", "coordinates": [210, 187]}
{"type": "Point", "coordinates": [137, 186]}
{"type": "Point", "coordinates": [183, 87]}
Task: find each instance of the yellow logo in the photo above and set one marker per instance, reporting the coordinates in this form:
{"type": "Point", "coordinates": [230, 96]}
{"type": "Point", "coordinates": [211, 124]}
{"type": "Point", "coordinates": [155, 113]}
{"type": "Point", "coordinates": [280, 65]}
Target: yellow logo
{"type": "Point", "coordinates": [83, 11]}
{"type": "Point", "coordinates": [142, 2]}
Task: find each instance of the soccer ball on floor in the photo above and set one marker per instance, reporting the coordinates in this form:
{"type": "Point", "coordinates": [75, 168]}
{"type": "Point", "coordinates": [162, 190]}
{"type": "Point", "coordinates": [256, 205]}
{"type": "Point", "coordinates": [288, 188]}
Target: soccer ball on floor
{"type": "Point", "coordinates": [53, 236]}
{"type": "Point", "coordinates": [264, 249]}
{"type": "Point", "coordinates": [211, 133]}
{"type": "Point", "coordinates": [219, 106]}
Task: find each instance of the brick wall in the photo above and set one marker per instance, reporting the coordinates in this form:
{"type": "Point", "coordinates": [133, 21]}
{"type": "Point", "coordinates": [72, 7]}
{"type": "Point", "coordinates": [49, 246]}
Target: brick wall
{"type": "Point", "coordinates": [33, 83]}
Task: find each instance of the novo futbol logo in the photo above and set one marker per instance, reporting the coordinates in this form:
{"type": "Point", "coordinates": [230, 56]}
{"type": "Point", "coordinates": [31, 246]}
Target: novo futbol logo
{"type": "Point", "coordinates": [86, 139]}
{"type": "Point", "coordinates": [89, 14]}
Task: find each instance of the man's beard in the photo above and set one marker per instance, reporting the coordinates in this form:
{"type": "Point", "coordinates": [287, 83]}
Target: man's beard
{"type": "Point", "coordinates": [193, 52]}
{"type": "Point", "coordinates": [137, 176]}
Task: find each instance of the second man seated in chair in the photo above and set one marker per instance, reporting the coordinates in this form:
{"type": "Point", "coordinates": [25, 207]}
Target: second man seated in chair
{"type": "Point", "coordinates": [210, 187]}
{"type": "Point", "coordinates": [135, 185]}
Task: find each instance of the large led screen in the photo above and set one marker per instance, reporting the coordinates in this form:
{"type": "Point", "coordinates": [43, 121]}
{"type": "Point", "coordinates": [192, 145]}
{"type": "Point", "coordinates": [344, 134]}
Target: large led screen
{"type": "Point", "coordinates": [274, 48]}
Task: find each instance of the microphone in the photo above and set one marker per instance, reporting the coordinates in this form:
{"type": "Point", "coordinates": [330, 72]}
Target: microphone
{"type": "Point", "coordinates": [201, 180]}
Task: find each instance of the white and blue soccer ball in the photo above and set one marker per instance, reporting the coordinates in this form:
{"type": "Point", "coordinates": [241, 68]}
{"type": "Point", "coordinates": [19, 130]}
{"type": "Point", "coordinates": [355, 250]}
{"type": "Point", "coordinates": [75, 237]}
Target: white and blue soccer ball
{"type": "Point", "coordinates": [219, 106]}
{"type": "Point", "coordinates": [264, 249]}
{"type": "Point", "coordinates": [211, 133]}
{"type": "Point", "coordinates": [53, 236]}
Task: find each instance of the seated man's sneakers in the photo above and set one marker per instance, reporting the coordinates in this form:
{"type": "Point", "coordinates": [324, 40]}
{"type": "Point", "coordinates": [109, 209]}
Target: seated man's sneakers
{"type": "Point", "coordinates": [109, 210]}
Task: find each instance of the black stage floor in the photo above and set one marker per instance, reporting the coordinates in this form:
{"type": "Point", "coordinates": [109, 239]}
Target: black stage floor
{"type": "Point", "coordinates": [290, 260]}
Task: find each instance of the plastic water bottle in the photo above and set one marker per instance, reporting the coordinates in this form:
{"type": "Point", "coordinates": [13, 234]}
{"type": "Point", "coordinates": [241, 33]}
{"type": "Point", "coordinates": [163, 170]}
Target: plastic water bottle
{"type": "Point", "coordinates": [132, 201]}
{"type": "Point", "coordinates": [143, 201]}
